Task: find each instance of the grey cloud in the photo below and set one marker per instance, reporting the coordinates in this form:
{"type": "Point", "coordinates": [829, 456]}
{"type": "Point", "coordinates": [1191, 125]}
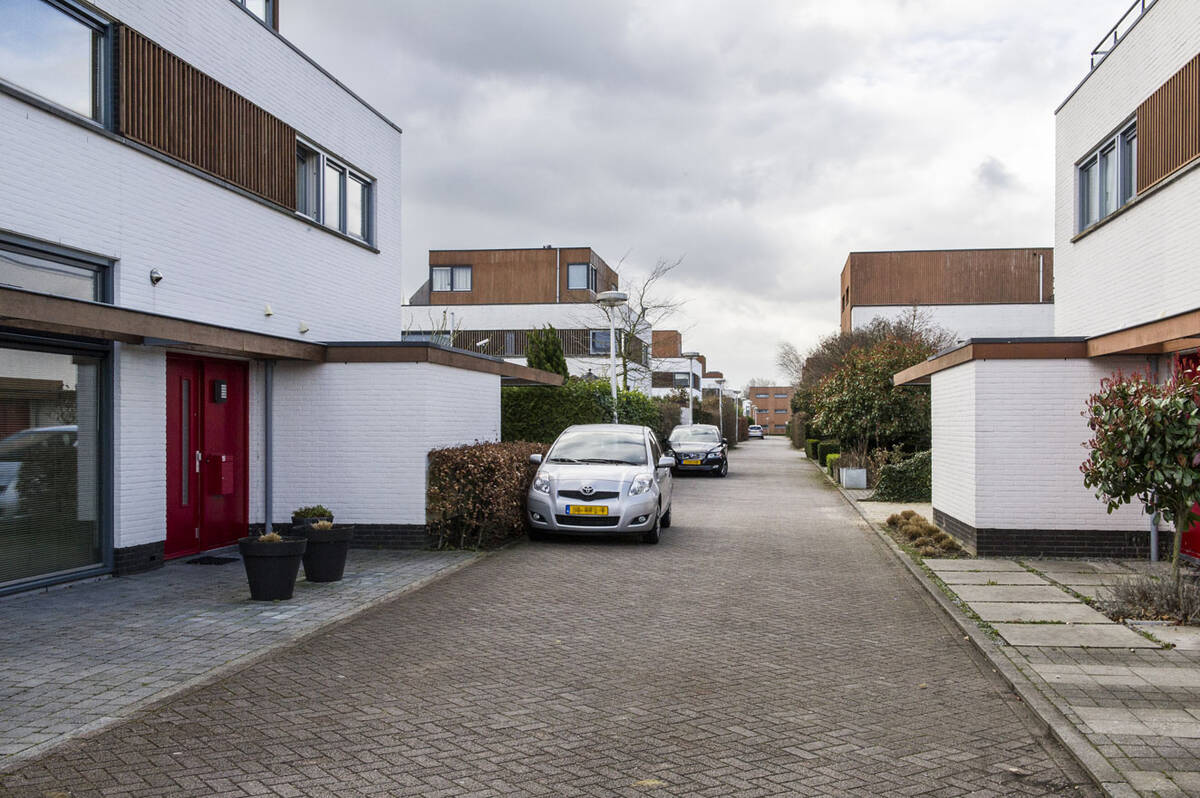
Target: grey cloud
{"type": "Point", "coordinates": [994, 175]}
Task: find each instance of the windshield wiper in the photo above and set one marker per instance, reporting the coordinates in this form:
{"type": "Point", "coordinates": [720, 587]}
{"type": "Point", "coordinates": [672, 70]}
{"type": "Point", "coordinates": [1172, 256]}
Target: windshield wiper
{"type": "Point", "coordinates": [564, 460]}
{"type": "Point", "coordinates": [607, 461]}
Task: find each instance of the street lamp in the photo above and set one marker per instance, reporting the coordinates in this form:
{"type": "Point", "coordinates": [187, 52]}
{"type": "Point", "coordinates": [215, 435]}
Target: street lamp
{"type": "Point", "coordinates": [610, 301]}
{"type": "Point", "coordinates": [691, 356]}
{"type": "Point", "coordinates": [720, 381]}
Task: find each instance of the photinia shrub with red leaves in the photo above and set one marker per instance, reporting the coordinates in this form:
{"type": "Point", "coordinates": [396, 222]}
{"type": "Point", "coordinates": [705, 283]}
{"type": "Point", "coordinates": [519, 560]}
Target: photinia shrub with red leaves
{"type": "Point", "coordinates": [1145, 447]}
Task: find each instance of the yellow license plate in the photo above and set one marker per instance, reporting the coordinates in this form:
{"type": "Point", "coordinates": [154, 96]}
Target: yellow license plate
{"type": "Point", "coordinates": [693, 462]}
{"type": "Point", "coordinates": [586, 509]}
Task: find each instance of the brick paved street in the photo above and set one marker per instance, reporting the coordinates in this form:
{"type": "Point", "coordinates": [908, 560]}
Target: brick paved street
{"type": "Point", "coordinates": [769, 646]}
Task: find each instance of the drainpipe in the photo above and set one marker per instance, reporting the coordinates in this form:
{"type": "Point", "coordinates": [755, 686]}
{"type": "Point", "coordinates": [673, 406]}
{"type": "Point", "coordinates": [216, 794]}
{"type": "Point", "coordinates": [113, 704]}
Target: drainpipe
{"type": "Point", "coordinates": [1041, 271]}
{"type": "Point", "coordinates": [268, 442]}
{"type": "Point", "coordinates": [558, 276]}
{"type": "Point", "coordinates": [1154, 361]}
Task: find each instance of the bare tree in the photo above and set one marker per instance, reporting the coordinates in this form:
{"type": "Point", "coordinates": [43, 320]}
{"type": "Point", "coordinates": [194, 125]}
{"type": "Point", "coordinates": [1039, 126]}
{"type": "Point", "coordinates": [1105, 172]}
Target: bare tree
{"type": "Point", "coordinates": [790, 362]}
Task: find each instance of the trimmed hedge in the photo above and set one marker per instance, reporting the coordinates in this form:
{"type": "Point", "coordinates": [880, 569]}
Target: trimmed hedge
{"type": "Point", "coordinates": [539, 413]}
{"type": "Point", "coordinates": [476, 493]}
{"type": "Point", "coordinates": [908, 481]}
{"type": "Point", "coordinates": [826, 448]}
{"type": "Point", "coordinates": [810, 448]}
{"type": "Point", "coordinates": [831, 464]}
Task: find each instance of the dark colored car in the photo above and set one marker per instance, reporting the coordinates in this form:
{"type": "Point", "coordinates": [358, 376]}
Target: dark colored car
{"type": "Point", "coordinates": [700, 448]}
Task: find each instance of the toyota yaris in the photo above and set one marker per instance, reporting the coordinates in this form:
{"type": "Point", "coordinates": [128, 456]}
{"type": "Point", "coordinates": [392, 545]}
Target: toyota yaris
{"type": "Point", "coordinates": [609, 479]}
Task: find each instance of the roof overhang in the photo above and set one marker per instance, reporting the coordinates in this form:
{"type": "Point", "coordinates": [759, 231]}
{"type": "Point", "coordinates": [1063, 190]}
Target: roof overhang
{"type": "Point", "coordinates": [30, 311]}
{"type": "Point", "coordinates": [992, 349]}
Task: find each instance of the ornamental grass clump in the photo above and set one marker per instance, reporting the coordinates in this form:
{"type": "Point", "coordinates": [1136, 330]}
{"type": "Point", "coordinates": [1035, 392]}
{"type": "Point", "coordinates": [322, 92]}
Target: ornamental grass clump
{"type": "Point", "coordinates": [1145, 598]}
{"type": "Point", "coordinates": [914, 529]}
{"type": "Point", "coordinates": [1145, 447]}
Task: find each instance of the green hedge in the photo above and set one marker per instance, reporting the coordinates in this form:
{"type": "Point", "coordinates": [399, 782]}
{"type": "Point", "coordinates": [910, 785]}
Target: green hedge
{"type": "Point", "coordinates": [908, 481]}
{"type": "Point", "coordinates": [810, 448]}
{"type": "Point", "coordinates": [539, 413]}
{"type": "Point", "coordinates": [476, 494]}
{"type": "Point", "coordinates": [831, 464]}
{"type": "Point", "coordinates": [826, 448]}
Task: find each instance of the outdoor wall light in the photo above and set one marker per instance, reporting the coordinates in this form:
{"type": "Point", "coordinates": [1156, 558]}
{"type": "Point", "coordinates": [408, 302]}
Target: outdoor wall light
{"type": "Point", "coordinates": [303, 327]}
{"type": "Point", "coordinates": [267, 311]}
{"type": "Point", "coordinates": [155, 277]}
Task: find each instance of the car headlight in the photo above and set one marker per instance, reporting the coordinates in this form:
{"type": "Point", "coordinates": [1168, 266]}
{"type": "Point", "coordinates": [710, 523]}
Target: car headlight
{"type": "Point", "coordinates": [641, 484]}
{"type": "Point", "coordinates": [714, 454]}
{"type": "Point", "coordinates": [541, 483]}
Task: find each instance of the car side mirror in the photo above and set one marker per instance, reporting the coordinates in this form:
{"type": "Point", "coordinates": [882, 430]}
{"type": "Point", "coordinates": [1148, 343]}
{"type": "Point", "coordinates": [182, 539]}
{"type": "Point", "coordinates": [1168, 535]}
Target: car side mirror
{"type": "Point", "coordinates": [666, 462]}
{"type": "Point", "coordinates": [725, 441]}
{"type": "Point", "coordinates": [535, 459]}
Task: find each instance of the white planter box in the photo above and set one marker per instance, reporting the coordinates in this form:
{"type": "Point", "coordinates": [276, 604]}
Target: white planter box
{"type": "Point", "coordinates": [854, 478]}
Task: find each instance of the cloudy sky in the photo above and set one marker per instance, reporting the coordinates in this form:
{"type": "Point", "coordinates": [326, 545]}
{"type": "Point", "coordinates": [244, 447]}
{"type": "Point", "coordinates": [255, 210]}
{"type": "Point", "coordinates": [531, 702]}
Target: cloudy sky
{"type": "Point", "coordinates": [759, 141]}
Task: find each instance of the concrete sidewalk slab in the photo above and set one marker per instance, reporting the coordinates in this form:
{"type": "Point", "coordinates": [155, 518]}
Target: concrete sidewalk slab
{"type": "Point", "coordinates": [1086, 578]}
{"type": "Point", "coordinates": [1184, 638]}
{"type": "Point", "coordinates": [1017, 612]}
{"type": "Point", "coordinates": [991, 577]}
{"type": "Point", "coordinates": [1077, 566]}
{"type": "Point", "coordinates": [1091, 635]}
{"type": "Point", "coordinates": [944, 566]}
{"type": "Point", "coordinates": [1019, 593]}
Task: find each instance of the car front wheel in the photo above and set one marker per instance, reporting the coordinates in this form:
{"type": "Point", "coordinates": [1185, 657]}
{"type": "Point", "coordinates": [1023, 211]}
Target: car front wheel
{"type": "Point", "coordinates": [652, 536]}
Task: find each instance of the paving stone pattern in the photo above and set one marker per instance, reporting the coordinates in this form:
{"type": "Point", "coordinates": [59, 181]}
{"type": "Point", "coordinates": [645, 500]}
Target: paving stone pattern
{"type": "Point", "coordinates": [73, 659]}
{"type": "Point", "coordinates": [769, 646]}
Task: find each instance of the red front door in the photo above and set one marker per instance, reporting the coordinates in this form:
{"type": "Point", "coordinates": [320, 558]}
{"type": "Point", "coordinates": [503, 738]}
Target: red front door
{"type": "Point", "coordinates": [1190, 541]}
{"type": "Point", "coordinates": [207, 453]}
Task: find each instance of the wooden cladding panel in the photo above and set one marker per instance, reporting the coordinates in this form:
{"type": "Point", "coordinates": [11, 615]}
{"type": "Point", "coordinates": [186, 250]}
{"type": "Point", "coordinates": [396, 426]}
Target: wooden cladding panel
{"type": "Point", "coordinates": [1168, 126]}
{"type": "Point", "coordinates": [169, 105]}
{"type": "Point", "coordinates": [948, 277]}
{"type": "Point", "coordinates": [500, 276]}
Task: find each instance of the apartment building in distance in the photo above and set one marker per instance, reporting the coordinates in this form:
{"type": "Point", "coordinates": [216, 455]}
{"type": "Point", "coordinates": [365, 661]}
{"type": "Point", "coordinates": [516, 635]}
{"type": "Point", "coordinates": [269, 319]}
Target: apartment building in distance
{"type": "Point", "coordinates": [488, 300]}
{"type": "Point", "coordinates": [1008, 430]}
{"type": "Point", "coordinates": [672, 372]}
{"type": "Point", "coordinates": [972, 293]}
{"type": "Point", "coordinates": [199, 276]}
{"type": "Point", "coordinates": [771, 407]}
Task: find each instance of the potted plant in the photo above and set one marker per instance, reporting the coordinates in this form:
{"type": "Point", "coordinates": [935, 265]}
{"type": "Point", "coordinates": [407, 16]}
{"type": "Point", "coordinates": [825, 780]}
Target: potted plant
{"type": "Point", "coordinates": [852, 468]}
{"type": "Point", "coordinates": [272, 563]}
{"type": "Point", "coordinates": [325, 557]}
{"type": "Point", "coordinates": [307, 516]}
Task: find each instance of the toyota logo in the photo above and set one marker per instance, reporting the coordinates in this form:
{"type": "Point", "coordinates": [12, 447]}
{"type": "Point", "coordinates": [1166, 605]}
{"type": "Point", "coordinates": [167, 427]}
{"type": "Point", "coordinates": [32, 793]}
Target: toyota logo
{"type": "Point", "coordinates": [587, 490]}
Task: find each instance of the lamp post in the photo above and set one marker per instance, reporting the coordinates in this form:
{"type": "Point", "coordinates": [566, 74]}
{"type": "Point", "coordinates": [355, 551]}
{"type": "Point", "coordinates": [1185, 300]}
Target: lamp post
{"type": "Point", "coordinates": [610, 301]}
{"type": "Point", "coordinates": [691, 356]}
{"type": "Point", "coordinates": [720, 381]}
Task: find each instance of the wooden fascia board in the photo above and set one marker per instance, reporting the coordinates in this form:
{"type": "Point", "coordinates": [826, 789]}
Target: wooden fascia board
{"type": "Point", "coordinates": [991, 350]}
{"type": "Point", "coordinates": [38, 312]}
{"type": "Point", "coordinates": [1152, 337]}
{"type": "Point", "coordinates": [512, 373]}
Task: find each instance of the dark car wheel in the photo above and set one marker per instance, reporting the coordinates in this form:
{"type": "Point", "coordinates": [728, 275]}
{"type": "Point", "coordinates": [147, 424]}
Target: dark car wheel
{"type": "Point", "coordinates": [652, 536]}
{"type": "Point", "coordinates": [665, 521]}
{"type": "Point", "coordinates": [535, 535]}
{"type": "Point", "coordinates": [724, 469]}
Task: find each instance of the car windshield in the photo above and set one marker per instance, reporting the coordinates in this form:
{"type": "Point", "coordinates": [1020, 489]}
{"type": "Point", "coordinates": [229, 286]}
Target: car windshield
{"type": "Point", "coordinates": [695, 435]}
{"type": "Point", "coordinates": [625, 447]}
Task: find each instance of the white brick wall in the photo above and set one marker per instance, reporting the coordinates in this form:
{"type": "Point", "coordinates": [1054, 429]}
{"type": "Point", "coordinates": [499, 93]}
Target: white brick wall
{"type": "Point", "coordinates": [355, 436]}
{"type": "Point", "coordinates": [1008, 440]}
{"type": "Point", "coordinates": [140, 435]}
{"type": "Point", "coordinates": [954, 452]}
{"type": "Point", "coordinates": [1140, 266]}
{"type": "Point", "coordinates": [972, 321]}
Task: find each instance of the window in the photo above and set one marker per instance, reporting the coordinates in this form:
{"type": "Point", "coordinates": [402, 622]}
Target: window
{"type": "Point", "coordinates": [49, 269]}
{"type": "Point", "coordinates": [681, 379]}
{"type": "Point", "coordinates": [510, 344]}
{"type": "Point", "coordinates": [263, 9]}
{"type": "Point", "coordinates": [762, 396]}
{"type": "Point", "coordinates": [781, 396]}
{"type": "Point", "coordinates": [57, 51]}
{"type": "Point", "coordinates": [762, 411]}
{"type": "Point", "coordinates": [1108, 177]}
{"type": "Point", "coordinates": [599, 342]}
{"type": "Point", "coordinates": [329, 192]}
{"type": "Point", "coordinates": [577, 277]}
{"type": "Point", "coordinates": [780, 411]}
{"type": "Point", "coordinates": [450, 278]}
{"type": "Point", "coordinates": [592, 277]}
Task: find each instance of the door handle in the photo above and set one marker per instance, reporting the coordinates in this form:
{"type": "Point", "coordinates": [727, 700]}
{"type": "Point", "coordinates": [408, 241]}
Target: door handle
{"type": "Point", "coordinates": [197, 461]}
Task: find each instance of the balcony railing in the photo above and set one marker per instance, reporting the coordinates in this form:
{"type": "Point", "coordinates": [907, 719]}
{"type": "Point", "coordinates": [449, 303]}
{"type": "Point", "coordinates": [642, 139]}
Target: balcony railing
{"type": "Point", "coordinates": [1118, 31]}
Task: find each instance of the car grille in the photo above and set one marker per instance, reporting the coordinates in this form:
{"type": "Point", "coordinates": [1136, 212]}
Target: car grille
{"type": "Point", "coordinates": [588, 520]}
{"type": "Point", "coordinates": [595, 496]}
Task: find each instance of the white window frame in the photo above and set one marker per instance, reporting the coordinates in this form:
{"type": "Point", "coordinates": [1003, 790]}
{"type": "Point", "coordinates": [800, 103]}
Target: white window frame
{"type": "Point", "coordinates": [321, 162]}
{"type": "Point", "coordinates": [599, 350]}
{"type": "Point", "coordinates": [1116, 153]}
{"type": "Point", "coordinates": [573, 285]}
{"type": "Point", "coordinates": [268, 8]}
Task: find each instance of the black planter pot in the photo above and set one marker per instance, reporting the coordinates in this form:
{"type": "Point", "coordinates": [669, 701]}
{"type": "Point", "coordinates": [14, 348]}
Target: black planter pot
{"type": "Point", "coordinates": [325, 557]}
{"type": "Point", "coordinates": [271, 568]}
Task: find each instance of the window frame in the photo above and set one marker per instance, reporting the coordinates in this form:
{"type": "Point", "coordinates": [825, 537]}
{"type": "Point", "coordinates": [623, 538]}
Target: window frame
{"type": "Point", "coordinates": [573, 285]}
{"type": "Point", "coordinates": [450, 269]}
{"type": "Point", "coordinates": [103, 88]}
{"type": "Point", "coordinates": [269, 8]}
{"type": "Point", "coordinates": [101, 266]}
{"type": "Point", "coordinates": [1113, 159]}
{"type": "Point", "coordinates": [593, 349]}
{"type": "Point", "coordinates": [322, 163]}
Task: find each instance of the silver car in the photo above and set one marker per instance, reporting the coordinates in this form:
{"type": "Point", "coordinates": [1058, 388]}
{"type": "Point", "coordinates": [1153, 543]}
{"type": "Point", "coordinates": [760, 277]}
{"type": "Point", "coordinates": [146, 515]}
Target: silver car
{"type": "Point", "coordinates": [610, 479]}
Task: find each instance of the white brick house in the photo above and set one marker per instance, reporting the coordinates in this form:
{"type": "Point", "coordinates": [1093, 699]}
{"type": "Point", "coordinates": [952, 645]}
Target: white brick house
{"type": "Point", "coordinates": [1007, 425]}
{"type": "Point", "coordinates": [195, 215]}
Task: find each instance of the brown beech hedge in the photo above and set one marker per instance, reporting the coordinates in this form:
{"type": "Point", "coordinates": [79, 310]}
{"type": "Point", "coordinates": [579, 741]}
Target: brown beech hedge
{"type": "Point", "coordinates": [476, 493]}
